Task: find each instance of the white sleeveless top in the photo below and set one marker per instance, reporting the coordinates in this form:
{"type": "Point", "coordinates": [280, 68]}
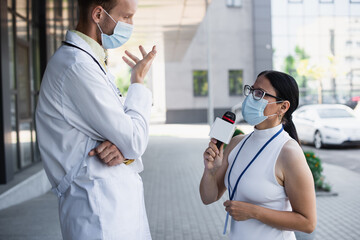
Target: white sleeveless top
{"type": "Point", "coordinates": [258, 185]}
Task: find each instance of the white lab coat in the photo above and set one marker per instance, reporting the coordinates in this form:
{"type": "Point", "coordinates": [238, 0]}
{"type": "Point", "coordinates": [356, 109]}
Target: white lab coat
{"type": "Point", "coordinates": [79, 107]}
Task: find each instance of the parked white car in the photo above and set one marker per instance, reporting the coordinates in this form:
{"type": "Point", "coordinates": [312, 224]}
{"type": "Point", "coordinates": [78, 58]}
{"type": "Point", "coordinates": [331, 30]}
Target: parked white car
{"type": "Point", "coordinates": [327, 124]}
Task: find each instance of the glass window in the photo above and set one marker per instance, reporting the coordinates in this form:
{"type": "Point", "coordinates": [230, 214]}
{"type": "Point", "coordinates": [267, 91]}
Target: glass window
{"type": "Point", "coordinates": [21, 29]}
{"type": "Point", "coordinates": [23, 77]}
{"type": "Point", "coordinates": [21, 7]}
{"type": "Point", "coordinates": [235, 82]}
{"type": "Point", "coordinates": [11, 52]}
{"type": "Point", "coordinates": [50, 28]}
{"type": "Point", "coordinates": [354, 1]}
{"type": "Point", "coordinates": [25, 144]}
{"type": "Point", "coordinates": [30, 11]}
{"type": "Point", "coordinates": [14, 141]}
{"type": "Point", "coordinates": [9, 3]}
{"type": "Point", "coordinates": [326, 1]}
{"type": "Point", "coordinates": [295, 1]}
{"type": "Point", "coordinates": [200, 83]}
{"type": "Point", "coordinates": [334, 113]}
{"type": "Point", "coordinates": [233, 3]}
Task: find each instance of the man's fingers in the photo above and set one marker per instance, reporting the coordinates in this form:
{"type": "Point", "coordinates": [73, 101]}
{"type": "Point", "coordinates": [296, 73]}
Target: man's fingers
{"type": "Point", "coordinates": [154, 49]}
{"type": "Point", "coordinates": [109, 157]}
{"type": "Point", "coordinates": [128, 62]}
{"type": "Point", "coordinates": [227, 203]}
{"type": "Point", "coordinates": [102, 146]}
{"type": "Point", "coordinates": [115, 161]}
{"type": "Point", "coordinates": [132, 56]}
{"type": "Point", "coordinates": [105, 152]}
{"type": "Point", "coordinates": [92, 153]}
{"type": "Point", "coordinates": [151, 55]}
{"type": "Point", "coordinates": [142, 50]}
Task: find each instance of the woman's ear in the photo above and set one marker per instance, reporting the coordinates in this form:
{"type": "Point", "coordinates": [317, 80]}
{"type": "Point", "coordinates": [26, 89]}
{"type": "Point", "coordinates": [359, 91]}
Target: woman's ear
{"type": "Point", "coordinates": [285, 107]}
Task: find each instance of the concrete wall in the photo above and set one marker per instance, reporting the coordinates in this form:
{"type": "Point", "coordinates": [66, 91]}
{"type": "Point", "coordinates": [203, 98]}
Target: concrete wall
{"type": "Point", "coordinates": [231, 37]}
{"type": "Point", "coordinates": [263, 51]}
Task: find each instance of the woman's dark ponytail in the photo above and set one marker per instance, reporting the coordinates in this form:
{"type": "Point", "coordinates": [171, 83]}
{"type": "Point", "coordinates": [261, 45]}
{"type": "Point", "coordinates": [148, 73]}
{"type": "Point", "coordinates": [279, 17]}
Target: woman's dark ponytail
{"type": "Point", "coordinates": [287, 89]}
{"type": "Point", "coordinates": [289, 127]}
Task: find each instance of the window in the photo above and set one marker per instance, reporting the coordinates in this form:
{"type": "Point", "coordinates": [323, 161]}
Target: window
{"type": "Point", "coordinates": [326, 1]}
{"type": "Point", "coordinates": [295, 1]}
{"type": "Point", "coordinates": [354, 1]}
{"type": "Point", "coordinates": [235, 82]}
{"type": "Point", "coordinates": [200, 83]}
{"type": "Point", "coordinates": [25, 34]}
{"type": "Point", "coordinates": [233, 3]}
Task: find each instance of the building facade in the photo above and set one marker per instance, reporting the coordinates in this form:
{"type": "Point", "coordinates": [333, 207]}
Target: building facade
{"type": "Point", "coordinates": [235, 44]}
{"type": "Point", "coordinates": [31, 31]}
{"type": "Point", "coordinates": [318, 42]}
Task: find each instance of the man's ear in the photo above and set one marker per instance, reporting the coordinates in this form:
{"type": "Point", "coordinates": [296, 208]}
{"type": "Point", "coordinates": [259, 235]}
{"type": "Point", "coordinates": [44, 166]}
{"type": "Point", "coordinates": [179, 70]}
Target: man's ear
{"type": "Point", "coordinates": [96, 14]}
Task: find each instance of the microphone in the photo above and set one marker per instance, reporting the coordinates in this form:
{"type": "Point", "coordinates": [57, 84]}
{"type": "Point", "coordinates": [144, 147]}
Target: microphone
{"type": "Point", "coordinates": [223, 128]}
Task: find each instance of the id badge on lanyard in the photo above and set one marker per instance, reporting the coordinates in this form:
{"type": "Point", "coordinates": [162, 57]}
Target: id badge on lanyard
{"type": "Point", "coordinates": [231, 195]}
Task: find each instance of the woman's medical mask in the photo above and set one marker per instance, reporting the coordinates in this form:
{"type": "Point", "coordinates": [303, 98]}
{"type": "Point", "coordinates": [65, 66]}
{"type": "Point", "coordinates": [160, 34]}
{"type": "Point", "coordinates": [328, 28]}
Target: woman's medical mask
{"type": "Point", "coordinates": [253, 110]}
{"type": "Point", "coordinates": [121, 35]}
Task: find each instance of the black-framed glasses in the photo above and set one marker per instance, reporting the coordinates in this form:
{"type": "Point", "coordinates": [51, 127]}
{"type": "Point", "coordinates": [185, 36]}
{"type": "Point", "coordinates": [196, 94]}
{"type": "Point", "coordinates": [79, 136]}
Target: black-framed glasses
{"type": "Point", "coordinates": [258, 94]}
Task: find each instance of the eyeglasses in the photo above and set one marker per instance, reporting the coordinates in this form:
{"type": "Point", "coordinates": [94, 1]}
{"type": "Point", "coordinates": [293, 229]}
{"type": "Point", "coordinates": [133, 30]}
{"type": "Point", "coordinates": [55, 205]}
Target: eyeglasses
{"type": "Point", "coordinates": [258, 94]}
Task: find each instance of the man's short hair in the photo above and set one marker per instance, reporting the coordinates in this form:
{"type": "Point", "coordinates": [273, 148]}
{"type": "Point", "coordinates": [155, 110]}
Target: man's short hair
{"type": "Point", "coordinates": [84, 6]}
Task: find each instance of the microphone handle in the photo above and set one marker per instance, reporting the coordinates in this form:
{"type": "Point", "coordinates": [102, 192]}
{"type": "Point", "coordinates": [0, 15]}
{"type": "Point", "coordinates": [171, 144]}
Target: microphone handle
{"type": "Point", "coordinates": [218, 144]}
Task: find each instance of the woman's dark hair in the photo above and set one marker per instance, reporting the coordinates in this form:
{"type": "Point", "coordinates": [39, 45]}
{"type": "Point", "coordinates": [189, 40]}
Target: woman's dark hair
{"type": "Point", "coordinates": [286, 88]}
{"type": "Point", "coordinates": [84, 6]}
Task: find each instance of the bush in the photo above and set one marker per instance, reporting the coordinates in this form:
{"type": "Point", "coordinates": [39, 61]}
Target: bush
{"type": "Point", "coordinates": [237, 132]}
{"type": "Point", "coordinates": [316, 170]}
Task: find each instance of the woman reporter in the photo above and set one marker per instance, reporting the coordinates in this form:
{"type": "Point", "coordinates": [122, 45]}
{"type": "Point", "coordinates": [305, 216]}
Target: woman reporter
{"type": "Point", "coordinates": [271, 189]}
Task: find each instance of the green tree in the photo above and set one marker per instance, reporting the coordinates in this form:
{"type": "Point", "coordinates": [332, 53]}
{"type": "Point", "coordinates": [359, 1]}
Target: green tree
{"type": "Point", "coordinates": [292, 63]}
{"type": "Point", "coordinates": [300, 67]}
{"type": "Point", "coordinates": [122, 81]}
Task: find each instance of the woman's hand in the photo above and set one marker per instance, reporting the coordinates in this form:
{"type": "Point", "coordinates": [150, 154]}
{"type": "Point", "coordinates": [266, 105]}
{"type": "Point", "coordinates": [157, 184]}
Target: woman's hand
{"type": "Point", "coordinates": [108, 153]}
{"type": "Point", "coordinates": [140, 67]}
{"type": "Point", "coordinates": [239, 211]}
{"type": "Point", "coordinates": [213, 157]}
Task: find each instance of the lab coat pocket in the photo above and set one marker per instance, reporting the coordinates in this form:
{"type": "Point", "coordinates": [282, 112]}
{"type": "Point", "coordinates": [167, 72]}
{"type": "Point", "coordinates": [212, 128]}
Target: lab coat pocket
{"type": "Point", "coordinates": [119, 203]}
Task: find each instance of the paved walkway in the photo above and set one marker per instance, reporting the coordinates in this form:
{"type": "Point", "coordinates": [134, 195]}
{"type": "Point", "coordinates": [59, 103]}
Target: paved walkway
{"type": "Point", "coordinates": [173, 168]}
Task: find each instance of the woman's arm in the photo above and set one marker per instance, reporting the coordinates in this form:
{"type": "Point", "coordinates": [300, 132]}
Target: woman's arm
{"type": "Point", "coordinates": [212, 185]}
{"type": "Point", "coordinates": [299, 186]}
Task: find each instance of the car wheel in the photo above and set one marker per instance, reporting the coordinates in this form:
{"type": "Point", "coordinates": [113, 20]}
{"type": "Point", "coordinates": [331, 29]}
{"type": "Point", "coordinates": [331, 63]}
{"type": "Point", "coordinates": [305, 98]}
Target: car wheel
{"type": "Point", "coordinates": [318, 140]}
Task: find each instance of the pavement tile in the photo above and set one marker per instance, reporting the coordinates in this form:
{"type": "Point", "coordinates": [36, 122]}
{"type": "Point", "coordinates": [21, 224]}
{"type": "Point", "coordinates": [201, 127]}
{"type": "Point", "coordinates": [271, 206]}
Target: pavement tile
{"type": "Point", "coordinates": [173, 169]}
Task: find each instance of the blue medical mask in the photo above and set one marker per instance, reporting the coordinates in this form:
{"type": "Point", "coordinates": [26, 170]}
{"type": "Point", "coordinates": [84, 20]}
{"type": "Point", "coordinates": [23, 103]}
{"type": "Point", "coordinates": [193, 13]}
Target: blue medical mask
{"type": "Point", "coordinates": [253, 110]}
{"type": "Point", "coordinates": [121, 35]}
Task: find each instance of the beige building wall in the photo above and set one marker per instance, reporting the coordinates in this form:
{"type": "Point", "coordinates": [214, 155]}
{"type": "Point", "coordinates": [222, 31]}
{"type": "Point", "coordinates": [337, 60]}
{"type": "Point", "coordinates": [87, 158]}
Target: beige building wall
{"type": "Point", "coordinates": [231, 44]}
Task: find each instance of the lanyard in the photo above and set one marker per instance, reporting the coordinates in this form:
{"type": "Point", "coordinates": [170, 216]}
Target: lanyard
{"type": "Point", "coordinates": [231, 195]}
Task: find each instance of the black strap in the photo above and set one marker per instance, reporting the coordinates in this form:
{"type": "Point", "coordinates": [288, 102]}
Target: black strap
{"type": "Point", "coordinates": [72, 45]}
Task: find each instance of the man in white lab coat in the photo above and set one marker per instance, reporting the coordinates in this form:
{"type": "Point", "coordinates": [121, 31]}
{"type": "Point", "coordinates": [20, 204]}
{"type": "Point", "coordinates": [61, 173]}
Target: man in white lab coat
{"type": "Point", "coordinates": [87, 133]}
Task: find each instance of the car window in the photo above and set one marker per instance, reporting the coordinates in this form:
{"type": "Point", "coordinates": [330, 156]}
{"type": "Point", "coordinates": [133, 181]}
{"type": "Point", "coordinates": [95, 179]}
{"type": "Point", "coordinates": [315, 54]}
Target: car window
{"type": "Point", "coordinates": [334, 113]}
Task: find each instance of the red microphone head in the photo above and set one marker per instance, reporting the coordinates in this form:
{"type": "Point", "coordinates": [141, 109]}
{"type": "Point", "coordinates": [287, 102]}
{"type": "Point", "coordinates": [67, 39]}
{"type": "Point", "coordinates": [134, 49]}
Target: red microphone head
{"type": "Point", "coordinates": [229, 117]}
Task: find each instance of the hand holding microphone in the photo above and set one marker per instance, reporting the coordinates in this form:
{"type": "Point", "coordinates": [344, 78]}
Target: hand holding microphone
{"type": "Point", "coordinates": [221, 132]}
{"type": "Point", "coordinates": [223, 129]}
